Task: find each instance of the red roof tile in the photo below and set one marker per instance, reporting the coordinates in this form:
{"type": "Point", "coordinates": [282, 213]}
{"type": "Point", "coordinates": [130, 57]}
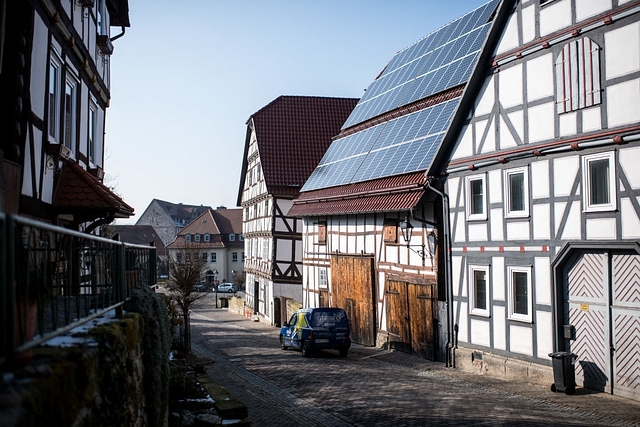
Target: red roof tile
{"type": "Point", "coordinates": [293, 133]}
{"type": "Point", "coordinates": [79, 191]}
{"type": "Point", "coordinates": [397, 193]}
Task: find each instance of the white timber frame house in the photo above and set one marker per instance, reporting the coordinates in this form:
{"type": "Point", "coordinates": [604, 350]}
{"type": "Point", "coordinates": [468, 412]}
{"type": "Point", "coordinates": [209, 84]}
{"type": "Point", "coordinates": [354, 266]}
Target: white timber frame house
{"type": "Point", "coordinates": [542, 177]}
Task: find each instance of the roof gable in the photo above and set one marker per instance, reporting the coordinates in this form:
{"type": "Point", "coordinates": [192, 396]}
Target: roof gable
{"type": "Point", "coordinates": [292, 134]}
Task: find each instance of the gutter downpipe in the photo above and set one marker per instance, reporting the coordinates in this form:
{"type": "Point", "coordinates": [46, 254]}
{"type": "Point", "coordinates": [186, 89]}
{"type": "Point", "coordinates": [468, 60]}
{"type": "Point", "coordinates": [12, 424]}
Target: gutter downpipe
{"type": "Point", "coordinates": [451, 339]}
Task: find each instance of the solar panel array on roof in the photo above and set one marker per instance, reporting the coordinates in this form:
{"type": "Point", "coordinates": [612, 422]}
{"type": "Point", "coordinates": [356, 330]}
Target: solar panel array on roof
{"type": "Point", "coordinates": [440, 61]}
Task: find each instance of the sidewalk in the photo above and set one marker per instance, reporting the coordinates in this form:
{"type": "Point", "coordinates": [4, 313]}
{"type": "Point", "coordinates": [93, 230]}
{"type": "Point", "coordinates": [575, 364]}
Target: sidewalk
{"type": "Point", "coordinates": [602, 408]}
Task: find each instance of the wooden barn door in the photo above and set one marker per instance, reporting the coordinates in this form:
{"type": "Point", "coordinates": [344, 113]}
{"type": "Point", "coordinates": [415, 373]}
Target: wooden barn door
{"type": "Point", "coordinates": [352, 288]}
{"type": "Point", "coordinates": [603, 294]}
{"type": "Point", "coordinates": [410, 318]}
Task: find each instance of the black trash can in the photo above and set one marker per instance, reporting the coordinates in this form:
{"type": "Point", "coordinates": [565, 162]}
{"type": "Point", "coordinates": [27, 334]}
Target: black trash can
{"type": "Point", "coordinates": [224, 302]}
{"type": "Point", "coordinates": [564, 374]}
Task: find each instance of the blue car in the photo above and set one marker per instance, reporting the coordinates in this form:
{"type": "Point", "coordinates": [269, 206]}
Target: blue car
{"type": "Point", "coordinates": [311, 329]}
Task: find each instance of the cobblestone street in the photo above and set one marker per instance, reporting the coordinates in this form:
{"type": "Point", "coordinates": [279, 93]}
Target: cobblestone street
{"type": "Point", "coordinates": [375, 387]}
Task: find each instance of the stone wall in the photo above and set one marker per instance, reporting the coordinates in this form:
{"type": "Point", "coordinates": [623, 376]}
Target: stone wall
{"type": "Point", "coordinates": [100, 374]}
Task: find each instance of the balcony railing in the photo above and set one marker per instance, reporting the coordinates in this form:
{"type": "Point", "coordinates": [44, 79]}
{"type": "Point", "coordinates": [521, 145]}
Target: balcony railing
{"type": "Point", "coordinates": [53, 280]}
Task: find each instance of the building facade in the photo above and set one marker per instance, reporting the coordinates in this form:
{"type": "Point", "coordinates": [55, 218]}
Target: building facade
{"type": "Point", "coordinates": [284, 142]}
{"type": "Point", "coordinates": [169, 218]}
{"type": "Point", "coordinates": [55, 79]}
{"type": "Point", "coordinates": [544, 193]}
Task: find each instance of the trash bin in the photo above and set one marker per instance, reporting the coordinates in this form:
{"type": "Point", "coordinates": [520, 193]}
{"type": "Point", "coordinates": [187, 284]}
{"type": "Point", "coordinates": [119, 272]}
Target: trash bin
{"type": "Point", "coordinates": [224, 302]}
{"type": "Point", "coordinates": [564, 374]}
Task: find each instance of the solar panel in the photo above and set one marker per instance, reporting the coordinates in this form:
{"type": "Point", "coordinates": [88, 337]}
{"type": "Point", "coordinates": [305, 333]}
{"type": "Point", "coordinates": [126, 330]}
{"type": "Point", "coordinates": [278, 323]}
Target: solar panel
{"type": "Point", "coordinates": [435, 63]}
{"type": "Point", "coordinates": [442, 60]}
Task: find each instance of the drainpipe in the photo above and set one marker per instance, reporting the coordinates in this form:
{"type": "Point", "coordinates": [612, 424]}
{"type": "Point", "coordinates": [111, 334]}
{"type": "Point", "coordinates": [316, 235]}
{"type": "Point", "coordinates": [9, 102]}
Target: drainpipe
{"type": "Point", "coordinates": [116, 37]}
{"type": "Point", "coordinates": [446, 246]}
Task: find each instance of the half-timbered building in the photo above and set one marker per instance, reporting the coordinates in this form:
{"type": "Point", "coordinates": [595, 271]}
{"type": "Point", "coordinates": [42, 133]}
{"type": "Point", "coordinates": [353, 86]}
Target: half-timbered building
{"type": "Point", "coordinates": [54, 78]}
{"type": "Point", "coordinates": [369, 191]}
{"type": "Point", "coordinates": [284, 142]}
{"type": "Point", "coordinates": [541, 166]}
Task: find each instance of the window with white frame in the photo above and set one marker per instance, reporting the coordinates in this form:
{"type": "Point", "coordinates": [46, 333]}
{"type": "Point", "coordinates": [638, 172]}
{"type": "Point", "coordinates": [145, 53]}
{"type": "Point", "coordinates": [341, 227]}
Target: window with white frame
{"type": "Point", "coordinates": [578, 75]}
{"type": "Point", "coordinates": [197, 237]}
{"type": "Point", "coordinates": [240, 237]}
{"type": "Point", "coordinates": [91, 132]}
{"type": "Point", "coordinates": [598, 180]}
{"type": "Point", "coordinates": [207, 237]}
{"type": "Point", "coordinates": [70, 112]}
{"type": "Point", "coordinates": [232, 237]}
{"type": "Point", "coordinates": [520, 297]}
{"type": "Point", "coordinates": [479, 290]}
{"type": "Point", "coordinates": [476, 197]}
{"type": "Point", "coordinates": [55, 73]}
{"type": "Point", "coordinates": [187, 237]}
{"type": "Point", "coordinates": [516, 192]}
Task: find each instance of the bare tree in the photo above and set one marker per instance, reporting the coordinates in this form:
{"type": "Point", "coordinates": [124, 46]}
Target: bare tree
{"type": "Point", "coordinates": [185, 271]}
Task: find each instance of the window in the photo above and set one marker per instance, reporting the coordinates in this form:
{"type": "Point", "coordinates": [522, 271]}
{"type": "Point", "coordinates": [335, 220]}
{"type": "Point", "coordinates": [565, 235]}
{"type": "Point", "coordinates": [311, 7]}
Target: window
{"type": "Point", "coordinates": [578, 75]}
{"type": "Point", "coordinates": [91, 137]}
{"type": "Point", "coordinates": [178, 257]}
{"type": "Point", "coordinates": [207, 237]}
{"type": "Point", "coordinates": [55, 72]}
{"type": "Point", "coordinates": [322, 233]}
{"type": "Point", "coordinates": [266, 207]}
{"type": "Point", "coordinates": [187, 237]}
{"type": "Point", "coordinates": [520, 298]}
{"type": "Point", "coordinates": [197, 237]}
{"type": "Point", "coordinates": [70, 113]}
{"type": "Point", "coordinates": [204, 256]}
{"type": "Point", "coordinates": [232, 237]}
{"type": "Point", "coordinates": [598, 180]}
{"type": "Point", "coordinates": [234, 256]}
{"type": "Point", "coordinates": [240, 237]}
{"type": "Point", "coordinates": [213, 257]}
{"type": "Point", "coordinates": [516, 193]}
{"type": "Point", "coordinates": [101, 22]}
{"type": "Point", "coordinates": [476, 198]}
{"type": "Point", "coordinates": [479, 290]}
{"type": "Point", "coordinates": [242, 256]}
{"type": "Point", "coordinates": [390, 230]}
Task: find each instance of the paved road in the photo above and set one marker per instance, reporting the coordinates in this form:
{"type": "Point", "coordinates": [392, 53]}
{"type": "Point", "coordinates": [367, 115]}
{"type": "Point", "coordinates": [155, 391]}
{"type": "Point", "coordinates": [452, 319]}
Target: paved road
{"type": "Point", "coordinates": [374, 387]}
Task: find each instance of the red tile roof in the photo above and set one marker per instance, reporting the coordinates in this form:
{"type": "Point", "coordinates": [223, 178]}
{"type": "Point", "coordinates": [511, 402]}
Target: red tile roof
{"type": "Point", "coordinates": [140, 235]}
{"type": "Point", "coordinates": [219, 224]}
{"type": "Point", "coordinates": [396, 193]}
{"type": "Point", "coordinates": [77, 191]}
{"type": "Point", "coordinates": [293, 133]}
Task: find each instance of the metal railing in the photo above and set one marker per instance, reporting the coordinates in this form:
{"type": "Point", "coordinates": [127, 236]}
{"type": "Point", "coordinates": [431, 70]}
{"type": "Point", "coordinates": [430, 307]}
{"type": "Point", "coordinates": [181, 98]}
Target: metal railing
{"type": "Point", "coordinates": [53, 279]}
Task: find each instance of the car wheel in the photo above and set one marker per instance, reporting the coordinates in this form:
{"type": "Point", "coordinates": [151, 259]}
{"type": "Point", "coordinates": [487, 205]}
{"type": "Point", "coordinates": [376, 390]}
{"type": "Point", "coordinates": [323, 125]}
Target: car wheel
{"type": "Point", "coordinates": [306, 351]}
{"type": "Point", "coordinates": [553, 388]}
{"type": "Point", "coordinates": [284, 347]}
{"type": "Point", "coordinates": [570, 390]}
{"type": "Point", "coordinates": [343, 351]}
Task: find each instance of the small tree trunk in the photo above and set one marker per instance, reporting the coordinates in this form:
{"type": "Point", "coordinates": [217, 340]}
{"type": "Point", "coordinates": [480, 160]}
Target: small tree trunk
{"type": "Point", "coordinates": [187, 332]}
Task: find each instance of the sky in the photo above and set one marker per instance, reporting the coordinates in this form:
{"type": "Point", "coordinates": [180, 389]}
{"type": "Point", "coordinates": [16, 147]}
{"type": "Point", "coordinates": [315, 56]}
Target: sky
{"type": "Point", "coordinates": [187, 75]}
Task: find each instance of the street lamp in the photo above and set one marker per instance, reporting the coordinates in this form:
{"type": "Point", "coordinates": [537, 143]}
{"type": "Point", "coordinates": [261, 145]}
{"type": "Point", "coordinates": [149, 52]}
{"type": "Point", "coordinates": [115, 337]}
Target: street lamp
{"type": "Point", "coordinates": [215, 273]}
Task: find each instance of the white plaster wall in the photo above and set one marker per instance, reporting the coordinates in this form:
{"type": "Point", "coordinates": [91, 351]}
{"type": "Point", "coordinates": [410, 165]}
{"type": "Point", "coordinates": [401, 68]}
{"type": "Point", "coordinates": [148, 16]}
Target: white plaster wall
{"type": "Point", "coordinates": [499, 328]}
{"type": "Point", "coordinates": [496, 218]}
{"type": "Point", "coordinates": [540, 179]}
{"type": "Point", "coordinates": [540, 216]}
{"type": "Point", "coordinates": [510, 86]}
{"type": "Point", "coordinates": [601, 228]}
{"type": "Point", "coordinates": [541, 122]}
{"type": "Point", "coordinates": [480, 332]}
{"type": "Point", "coordinates": [623, 103]}
{"type": "Point", "coordinates": [478, 232]}
{"type": "Point", "coordinates": [486, 99]}
{"type": "Point", "coordinates": [521, 340]}
{"type": "Point", "coordinates": [464, 146]}
{"type": "Point", "coordinates": [586, 9]}
{"type": "Point", "coordinates": [461, 319]}
{"type": "Point", "coordinates": [459, 233]}
{"type": "Point", "coordinates": [555, 16]}
{"type": "Point", "coordinates": [518, 230]}
{"type": "Point", "coordinates": [572, 228]}
{"type": "Point", "coordinates": [591, 119]}
{"type": "Point", "coordinates": [540, 77]}
{"type": "Point", "coordinates": [629, 161]}
{"type": "Point", "coordinates": [456, 275]}
{"type": "Point", "coordinates": [630, 220]}
{"type": "Point", "coordinates": [565, 170]}
{"type": "Point", "coordinates": [495, 186]}
{"type": "Point", "coordinates": [528, 23]}
{"type": "Point", "coordinates": [544, 334]}
{"type": "Point", "coordinates": [622, 47]}
{"type": "Point", "coordinates": [542, 280]}
{"type": "Point", "coordinates": [497, 276]}
{"type": "Point", "coordinates": [568, 123]}
{"type": "Point", "coordinates": [509, 38]}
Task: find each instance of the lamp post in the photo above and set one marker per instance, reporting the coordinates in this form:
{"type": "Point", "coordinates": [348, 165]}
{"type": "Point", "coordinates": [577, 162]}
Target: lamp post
{"type": "Point", "coordinates": [215, 273]}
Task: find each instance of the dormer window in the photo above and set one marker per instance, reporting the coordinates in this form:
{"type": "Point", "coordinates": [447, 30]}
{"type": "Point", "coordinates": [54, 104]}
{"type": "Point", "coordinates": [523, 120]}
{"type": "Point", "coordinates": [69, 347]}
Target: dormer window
{"type": "Point", "coordinates": [197, 237]}
{"type": "Point", "coordinates": [232, 237]}
{"type": "Point", "coordinates": [187, 237]}
{"type": "Point", "coordinates": [207, 237]}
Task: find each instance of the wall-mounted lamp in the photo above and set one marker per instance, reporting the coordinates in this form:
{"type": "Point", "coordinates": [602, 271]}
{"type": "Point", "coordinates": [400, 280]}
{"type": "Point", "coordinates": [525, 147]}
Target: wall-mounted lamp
{"type": "Point", "coordinates": [407, 230]}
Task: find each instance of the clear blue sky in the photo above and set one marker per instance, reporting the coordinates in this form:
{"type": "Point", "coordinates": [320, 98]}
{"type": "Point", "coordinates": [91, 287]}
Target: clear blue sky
{"type": "Point", "coordinates": [187, 75]}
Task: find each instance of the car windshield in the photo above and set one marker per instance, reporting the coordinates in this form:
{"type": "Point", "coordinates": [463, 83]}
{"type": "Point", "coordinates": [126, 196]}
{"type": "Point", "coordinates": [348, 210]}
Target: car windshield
{"type": "Point", "coordinates": [329, 319]}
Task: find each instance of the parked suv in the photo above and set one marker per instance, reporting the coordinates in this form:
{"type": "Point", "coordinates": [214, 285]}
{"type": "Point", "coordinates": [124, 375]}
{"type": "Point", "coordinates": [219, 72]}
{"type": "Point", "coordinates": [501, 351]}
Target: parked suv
{"type": "Point", "coordinates": [310, 329]}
